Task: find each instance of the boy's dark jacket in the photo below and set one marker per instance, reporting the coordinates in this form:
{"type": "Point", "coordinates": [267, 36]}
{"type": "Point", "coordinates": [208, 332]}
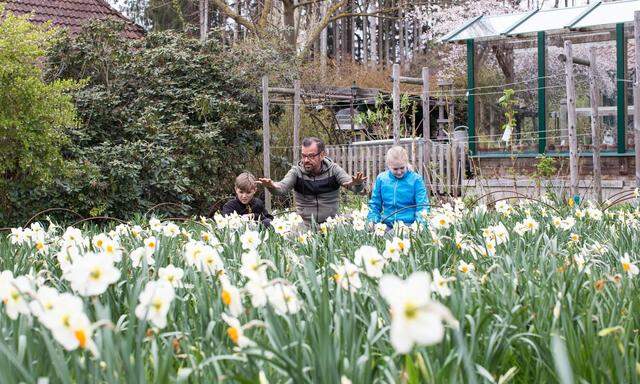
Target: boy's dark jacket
{"type": "Point", "coordinates": [255, 207]}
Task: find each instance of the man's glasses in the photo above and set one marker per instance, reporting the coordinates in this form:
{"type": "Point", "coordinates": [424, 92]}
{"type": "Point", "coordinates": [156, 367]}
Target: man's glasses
{"type": "Point", "coordinates": [310, 156]}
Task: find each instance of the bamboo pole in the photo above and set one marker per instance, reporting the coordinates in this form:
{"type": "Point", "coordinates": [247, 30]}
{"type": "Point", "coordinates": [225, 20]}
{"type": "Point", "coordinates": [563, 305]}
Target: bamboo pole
{"type": "Point", "coordinates": [266, 147]}
{"type": "Point", "coordinates": [296, 121]}
{"type": "Point", "coordinates": [596, 140]}
{"type": "Point", "coordinates": [396, 104]}
{"type": "Point", "coordinates": [636, 93]}
{"type": "Point", "coordinates": [571, 116]}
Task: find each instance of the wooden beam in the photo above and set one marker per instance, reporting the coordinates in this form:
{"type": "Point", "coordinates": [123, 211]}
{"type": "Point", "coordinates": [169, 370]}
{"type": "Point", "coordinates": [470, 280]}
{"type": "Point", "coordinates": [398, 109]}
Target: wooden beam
{"type": "Point", "coordinates": [296, 121]}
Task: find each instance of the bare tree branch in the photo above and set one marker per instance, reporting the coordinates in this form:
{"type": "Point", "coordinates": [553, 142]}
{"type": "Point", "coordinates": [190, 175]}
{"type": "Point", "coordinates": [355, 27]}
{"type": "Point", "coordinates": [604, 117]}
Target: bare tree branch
{"type": "Point", "coordinates": [264, 16]}
{"type": "Point", "coordinates": [224, 8]}
{"type": "Point", "coordinates": [322, 24]}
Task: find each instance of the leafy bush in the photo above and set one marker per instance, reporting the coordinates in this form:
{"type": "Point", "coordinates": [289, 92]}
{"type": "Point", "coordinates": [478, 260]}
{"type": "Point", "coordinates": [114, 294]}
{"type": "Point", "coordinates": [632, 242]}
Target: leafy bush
{"type": "Point", "coordinates": [32, 112]}
{"type": "Point", "coordinates": [162, 119]}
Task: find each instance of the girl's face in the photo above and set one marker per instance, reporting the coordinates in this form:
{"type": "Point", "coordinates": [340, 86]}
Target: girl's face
{"type": "Point", "coordinates": [244, 196]}
{"type": "Point", "coordinates": [397, 167]}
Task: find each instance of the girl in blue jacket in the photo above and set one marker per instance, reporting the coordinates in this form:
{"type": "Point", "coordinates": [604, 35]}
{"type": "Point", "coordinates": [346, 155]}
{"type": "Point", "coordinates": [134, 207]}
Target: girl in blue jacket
{"type": "Point", "coordinates": [397, 188]}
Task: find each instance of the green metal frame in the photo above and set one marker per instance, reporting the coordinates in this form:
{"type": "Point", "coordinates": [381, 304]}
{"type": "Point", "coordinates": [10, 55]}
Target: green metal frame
{"type": "Point", "coordinates": [542, 94]}
{"type": "Point", "coordinates": [471, 99]}
{"type": "Point", "coordinates": [621, 96]}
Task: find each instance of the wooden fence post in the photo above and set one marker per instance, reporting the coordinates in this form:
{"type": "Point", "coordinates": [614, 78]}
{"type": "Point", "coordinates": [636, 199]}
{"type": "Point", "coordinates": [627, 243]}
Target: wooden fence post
{"type": "Point", "coordinates": [296, 121]}
{"type": "Point", "coordinates": [396, 104]}
{"type": "Point", "coordinates": [266, 146]}
{"type": "Point", "coordinates": [636, 93]}
{"type": "Point", "coordinates": [571, 117]}
{"type": "Point", "coordinates": [596, 139]}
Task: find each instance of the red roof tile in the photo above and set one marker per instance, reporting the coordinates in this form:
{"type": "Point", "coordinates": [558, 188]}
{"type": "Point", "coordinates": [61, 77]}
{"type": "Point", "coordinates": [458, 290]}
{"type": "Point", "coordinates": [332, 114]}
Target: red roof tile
{"type": "Point", "coordinates": [72, 14]}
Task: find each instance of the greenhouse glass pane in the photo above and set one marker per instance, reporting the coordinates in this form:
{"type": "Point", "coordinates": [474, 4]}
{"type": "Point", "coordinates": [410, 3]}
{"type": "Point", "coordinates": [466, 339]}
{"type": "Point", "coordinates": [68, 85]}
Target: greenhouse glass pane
{"type": "Point", "coordinates": [610, 13]}
{"type": "Point", "coordinates": [488, 26]}
{"type": "Point", "coordinates": [549, 20]}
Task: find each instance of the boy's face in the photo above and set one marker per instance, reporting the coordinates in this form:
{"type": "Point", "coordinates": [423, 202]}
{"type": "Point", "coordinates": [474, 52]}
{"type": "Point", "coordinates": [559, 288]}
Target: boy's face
{"type": "Point", "coordinates": [245, 196]}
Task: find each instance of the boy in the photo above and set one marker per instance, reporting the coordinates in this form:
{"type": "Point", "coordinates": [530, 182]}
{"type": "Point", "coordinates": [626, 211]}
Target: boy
{"type": "Point", "coordinates": [245, 203]}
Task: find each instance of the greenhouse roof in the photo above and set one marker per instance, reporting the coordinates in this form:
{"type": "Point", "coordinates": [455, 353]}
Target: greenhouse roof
{"type": "Point", "coordinates": [596, 16]}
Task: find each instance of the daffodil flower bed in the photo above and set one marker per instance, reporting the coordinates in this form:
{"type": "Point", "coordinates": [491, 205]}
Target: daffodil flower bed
{"type": "Point", "coordinates": [525, 292]}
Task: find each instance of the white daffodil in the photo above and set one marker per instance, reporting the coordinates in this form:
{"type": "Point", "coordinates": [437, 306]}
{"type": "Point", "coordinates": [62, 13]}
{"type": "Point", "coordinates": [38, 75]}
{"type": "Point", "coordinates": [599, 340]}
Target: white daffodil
{"type": "Point", "coordinates": [69, 324]}
{"type": "Point", "coordinates": [138, 254]}
{"type": "Point", "coordinates": [236, 332]}
{"type": "Point", "coordinates": [628, 266]}
{"type": "Point", "coordinates": [44, 301]}
{"type": "Point", "coordinates": [347, 276]}
{"type": "Point", "coordinates": [170, 229]}
{"type": "Point", "coordinates": [466, 269]}
{"type": "Point", "coordinates": [39, 240]}
{"type": "Point", "coordinates": [416, 319]}
{"type": "Point", "coordinates": [250, 240]}
{"type": "Point", "coordinates": [440, 221]}
{"type": "Point", "coordinates": [531, 225]}
{"type": "Point", "coordinates": [391, 251]}
{"type": "Point", "coordinates": [155, 225]}
{"type": "Point", "coordinates": [18, 236]}
{"type": "Point", "coordinates": [256, 289]}
{"type": "Point", "coordinates": [150, 244]}
{"type": "Point", "coordinates": [98, 240]}
{"type": "Point", "coordinates": [15, 294]}
{"type": "Point", "coordinates": [439, 283]}
{"type": "Point", "coordinates": [283, 298]}
{"type": "Point", "coordinates": [232, 298]}
{"type": "Point", "coordinates": [567, 223]}
{"type": "Point", "coordinates": [359, 224]}
{"type": "Point", "coordinates": [112, 250]}
{"type": "Point", "coordinates": [253, 268]}
{"type": "Point", "coordinates": [172, 275]}
{"type": "Point", "coordinates": [281, 226]}
{"type": "Point", "coordinates": [67, 254]}
{"type": "Point", "coordinates": [380, 229]}
{"type": "Point", "coordinates": [91, 274]}
{"type": "Point", "coordinates": [154, 302]}
{"type": "Point", "coordinates": [368, 258]}
{"type": "Point", "coordinates": [74, 235]}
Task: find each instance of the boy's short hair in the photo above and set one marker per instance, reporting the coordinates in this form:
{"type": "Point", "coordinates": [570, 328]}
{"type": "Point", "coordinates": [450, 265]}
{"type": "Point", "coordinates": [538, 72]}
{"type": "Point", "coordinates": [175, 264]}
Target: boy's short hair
{"type": "Point", "coordinates": [246, 182]}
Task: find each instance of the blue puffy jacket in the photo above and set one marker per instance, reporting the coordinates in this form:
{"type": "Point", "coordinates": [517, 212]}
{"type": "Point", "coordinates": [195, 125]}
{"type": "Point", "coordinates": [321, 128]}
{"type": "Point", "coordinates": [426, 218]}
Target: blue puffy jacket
{"type": "Point", "coordinates": [391, 194]}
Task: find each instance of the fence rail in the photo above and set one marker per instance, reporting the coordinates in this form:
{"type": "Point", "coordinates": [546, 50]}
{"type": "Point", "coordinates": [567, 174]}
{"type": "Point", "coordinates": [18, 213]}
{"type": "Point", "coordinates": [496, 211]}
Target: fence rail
{"type": "Point", "coordinates": [442, 165]}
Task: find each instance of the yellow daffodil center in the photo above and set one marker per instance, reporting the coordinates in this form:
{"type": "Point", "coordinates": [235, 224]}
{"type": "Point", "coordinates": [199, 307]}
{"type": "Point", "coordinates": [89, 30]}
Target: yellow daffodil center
{"type": "Point", "coordinates": [109, 249]}
{"type": "Point", "coordinates": [95, 274]}
{"type": "Point", "coordinates": [157, 304]}
{"type": "Point", "coordinates": [65, 320]}
{"type": "Point", "coordinates": [226, 297]}
{"type": "Point", "coordinates": [99, 243]}
{"type": "Point", "coordinates": [39, 245]}
{"type": "Point", "coordinates": [81, 337]}
{"type": "Point", "coordinates": [626, 266]}
{"type": "Point", "coordinates": [464, 269]}
{"type": "Point", "coordinates": [410, 310]}
{"type": "Point", "coordinates": [152, 244]}
{"type": "Point", "coordinates": [233, 334]}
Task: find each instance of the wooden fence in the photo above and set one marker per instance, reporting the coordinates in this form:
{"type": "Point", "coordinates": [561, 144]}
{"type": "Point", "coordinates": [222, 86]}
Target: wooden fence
{"type": "Point", "coordinates": [442, 165]}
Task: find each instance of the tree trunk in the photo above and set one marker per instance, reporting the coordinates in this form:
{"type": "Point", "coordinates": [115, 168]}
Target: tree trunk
{"type": "Point", "coordinates": [374, 34]}
{"type": "Point", "coordinates": [289, 20]}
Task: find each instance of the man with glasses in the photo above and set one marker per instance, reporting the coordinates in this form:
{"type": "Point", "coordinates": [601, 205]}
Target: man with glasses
{"type": "Point", "coordinates": [316, 181]}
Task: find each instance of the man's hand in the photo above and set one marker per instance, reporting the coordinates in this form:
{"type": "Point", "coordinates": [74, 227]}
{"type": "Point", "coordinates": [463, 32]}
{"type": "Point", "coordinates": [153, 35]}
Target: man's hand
{"type": "Point", "coordinates": [267, 183]}
{"type": "Point", "coordinates": [358, 179]}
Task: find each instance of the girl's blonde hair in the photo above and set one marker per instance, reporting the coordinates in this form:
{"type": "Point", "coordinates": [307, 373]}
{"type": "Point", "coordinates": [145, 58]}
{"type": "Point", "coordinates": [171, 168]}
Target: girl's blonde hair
{"type": "Point", "coordinates": [397, 153]}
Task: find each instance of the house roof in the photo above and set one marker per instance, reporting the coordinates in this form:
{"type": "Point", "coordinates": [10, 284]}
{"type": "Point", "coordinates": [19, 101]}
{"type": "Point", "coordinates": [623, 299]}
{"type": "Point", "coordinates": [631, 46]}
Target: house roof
{"type": "Point", "coordinates": [71, 14]}
{"type": "Point", "coordinates": [596, 16]}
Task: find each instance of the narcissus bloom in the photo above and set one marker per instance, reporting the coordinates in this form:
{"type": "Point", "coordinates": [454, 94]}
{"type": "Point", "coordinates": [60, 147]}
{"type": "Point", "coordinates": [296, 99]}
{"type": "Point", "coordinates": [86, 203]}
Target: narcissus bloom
{"type": "Point", "coordinates": [250, 240]}
{"type": "Point", "coordinates": [347, 276]}
{"type": "Point", "coordinates": [416, 318]}
{"type": "Point", "coordinates": [231, 298]}
{"type": "Point", "coordinates": [155, 301]}
{"type": "Point", "coordinates": [69, 324]}
{"type": "Point", "coordinates": [368, 258]}
{"type": "Point", "coordinates": [15, 294]}
{"type": "Point", "coordinates": [236, 331]}
{"type": "Point", "coordinates": [628, 266]}
{"type": "Point", "coordinates": [171, 275]}
{"type": "Point", "coordinates": [91, 274]}
{"type": "Point", "coordinates": [284, 298]}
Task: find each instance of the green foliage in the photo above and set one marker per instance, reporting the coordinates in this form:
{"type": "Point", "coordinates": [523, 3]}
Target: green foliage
{"type": "Point", "coordinates": [162, 119]}
{"type": "Point", "coordinates": [508, 102]}
{"type": "Point", "coordinates": [33, 112]}
{"type": "Point", "coordinates": [546, 166]}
